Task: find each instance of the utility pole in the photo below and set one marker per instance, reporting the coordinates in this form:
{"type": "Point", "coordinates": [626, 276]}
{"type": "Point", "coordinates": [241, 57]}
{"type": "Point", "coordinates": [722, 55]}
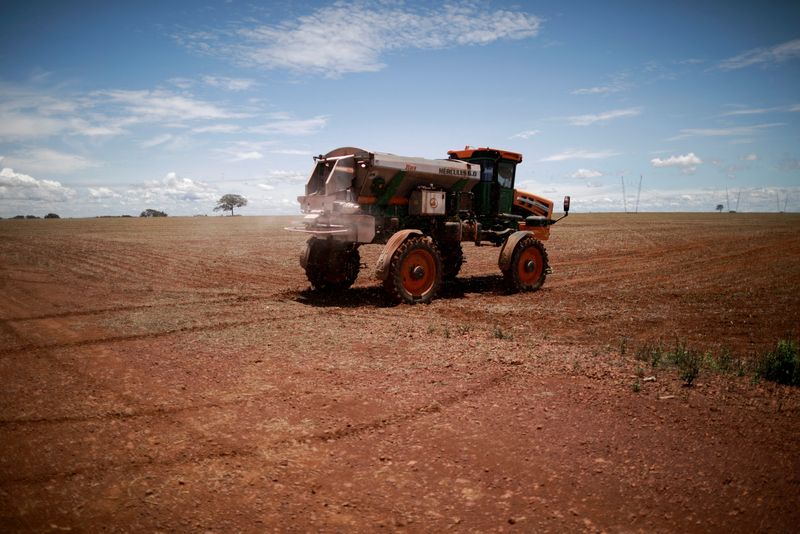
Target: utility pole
{"type": "Point", "coordinates": [624, 198]}
{"type": "Point", "coordinates": [638, 194]}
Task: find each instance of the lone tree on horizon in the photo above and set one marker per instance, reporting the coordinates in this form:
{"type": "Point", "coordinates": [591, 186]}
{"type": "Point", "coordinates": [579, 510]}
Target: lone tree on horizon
{"type": "Point", "coordinates": [228, 202]}
{"type": "Point", "coordinates": [149, 212]}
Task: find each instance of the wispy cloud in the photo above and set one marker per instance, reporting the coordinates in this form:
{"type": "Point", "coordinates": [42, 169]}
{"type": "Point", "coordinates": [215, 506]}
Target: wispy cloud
{"type": "Point", "coordinates": [217, 128]}
{"type": "Point", "coordinates": [160, 105]}
{"type": "Point", "coordinates": [760, 111]}
{"type": "Point", "coordinates": [731, 131]}
{"type": "Point", "coordinates": [618, 84]}
{"type": "Point", "coordinates": [763, 56]}
{"type": "Point", "coordinates": [526, 134]}
{"type": "Point", "coordinates": [586, 173]}
{"type": "Point", "coordinates": [581, 154]}
{"type": "Point", "coordinates": [48, 161]}
{"type": "Point", "coordinates": [291, 152]}
{"type": "Point", "coordinates": [365, 31]}
{"type": "Point", "coordinates": [27, 115]}
{"type": "Point", "coordinates": [288, 126]}
{"type": "Point", "coordinates": [231, 84]}
{"type": "Point", "coordinates": [586, 120]}
{"type": "Point", "coordinates": [285, 177]}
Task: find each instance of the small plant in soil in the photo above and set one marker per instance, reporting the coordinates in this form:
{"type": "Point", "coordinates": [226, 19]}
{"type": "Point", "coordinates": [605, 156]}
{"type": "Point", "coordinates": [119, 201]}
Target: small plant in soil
{"type": "Point", "coordinates": [499, 334]}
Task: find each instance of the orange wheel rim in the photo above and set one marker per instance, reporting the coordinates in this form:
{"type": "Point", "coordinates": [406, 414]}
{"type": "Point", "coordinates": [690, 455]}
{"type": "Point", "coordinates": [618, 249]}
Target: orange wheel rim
{"type": "Point", "coordinates": [530, 265]}
{"type": "Point", "coordinates": [419, 272]}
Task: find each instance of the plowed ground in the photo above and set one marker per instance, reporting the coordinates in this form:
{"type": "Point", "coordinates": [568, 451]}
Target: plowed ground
{"type": "Point", "coordinates": [176, 374]}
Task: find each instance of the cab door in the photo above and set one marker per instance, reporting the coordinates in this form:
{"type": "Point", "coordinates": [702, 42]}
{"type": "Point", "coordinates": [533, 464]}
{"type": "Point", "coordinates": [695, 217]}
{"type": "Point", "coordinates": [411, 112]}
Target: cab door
{"type": "Point", "coordinates": [505, 185]}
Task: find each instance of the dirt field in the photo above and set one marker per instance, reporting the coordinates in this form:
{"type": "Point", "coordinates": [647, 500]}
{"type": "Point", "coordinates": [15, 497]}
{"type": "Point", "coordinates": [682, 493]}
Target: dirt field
{"type": "Point", "coordinates": [176, 375]}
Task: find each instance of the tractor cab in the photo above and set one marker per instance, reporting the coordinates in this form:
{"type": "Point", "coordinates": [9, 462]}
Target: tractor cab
{"type": "Point", "coordinates": [495, 192]}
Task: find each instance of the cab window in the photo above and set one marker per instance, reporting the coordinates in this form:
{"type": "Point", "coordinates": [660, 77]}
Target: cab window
{"type": "Point", "coordinates": [505, 174]}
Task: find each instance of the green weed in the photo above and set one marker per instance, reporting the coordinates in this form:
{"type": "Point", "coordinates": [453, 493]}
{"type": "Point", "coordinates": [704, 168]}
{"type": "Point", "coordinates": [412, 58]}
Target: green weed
{"type": "Point", "coordinates": [781, 365]}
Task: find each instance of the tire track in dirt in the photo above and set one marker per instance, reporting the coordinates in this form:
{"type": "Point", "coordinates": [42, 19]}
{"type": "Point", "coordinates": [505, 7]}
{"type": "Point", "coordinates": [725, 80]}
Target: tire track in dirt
{"type": "Point", "coordinates": [252, 451]}
{"type": "Point", "coordinates": [138, 337]}
{"type": "Point", "coordinates": [138, 307]}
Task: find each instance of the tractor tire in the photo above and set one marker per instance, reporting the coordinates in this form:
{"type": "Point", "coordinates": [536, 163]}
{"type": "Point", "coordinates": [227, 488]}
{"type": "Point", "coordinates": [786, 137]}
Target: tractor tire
{"type": "Point", "coordinates": [331, 265]}
{"type": "Point", "coordinates": [415, 271]}
{"type": "Point", "coordinates": [452, 260]}
{"type": "Point", "coordinates": [528, 268]}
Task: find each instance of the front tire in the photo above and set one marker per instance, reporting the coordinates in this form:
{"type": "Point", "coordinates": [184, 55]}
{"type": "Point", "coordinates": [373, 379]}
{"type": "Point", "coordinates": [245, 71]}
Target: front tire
{"type": "Point", "coordinates": [415, 271]}
{"type": "Point", "coordinates": [528, 268]}
{"type": "Point", "coordinates": [332, 265]}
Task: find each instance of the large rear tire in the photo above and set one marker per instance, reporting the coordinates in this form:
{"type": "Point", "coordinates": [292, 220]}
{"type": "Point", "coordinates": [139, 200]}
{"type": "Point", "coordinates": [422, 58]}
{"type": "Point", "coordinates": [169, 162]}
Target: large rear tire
{"type": "Point", "coordinates": [332, 265]}
{"type": "Point", "coordinates": [415, 271]}
{"type": "Point", "coordinates": [528, 268]}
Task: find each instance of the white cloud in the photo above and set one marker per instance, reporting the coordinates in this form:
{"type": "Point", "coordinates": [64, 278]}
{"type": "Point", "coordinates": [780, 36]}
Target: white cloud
{"type": "Point", "coordinates": [48, 161]}
{"type": "Point", "coordinates": [175, 188]}
{"type": "Point", "coordinates": [750, 157]}
{"type": "Point", "coordinates": [102, 193]}
{"type": "Point", "coordinates": [526, 134]}
{"type": "Point", "coordinates": [18, 186]}
{"type": "Point", "coordinates": [732, 131]}
{"type": "Point", "coordinates": [581, 154]}
{"type": "Point", "coordinates": [586, 173]}
{"type": "Point", "coordinates": [231, 84]}
{"type": "Point", "coordinates": [687, 162]}
{"type": "Point", "coordinates": [586, 120]}
{"type": "Point", "coordinates": [266, 187]}
{"type": "Point", "coordinates": [363, 32]}
{"type": "Point", "coordinates": [763, 56]}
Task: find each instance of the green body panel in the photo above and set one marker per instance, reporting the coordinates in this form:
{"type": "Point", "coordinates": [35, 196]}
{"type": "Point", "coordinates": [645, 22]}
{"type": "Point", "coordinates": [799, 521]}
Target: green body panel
{"type": "Point", "coordinates": [506, 200]}
{"type": "Point", "coordinates": [482, 202]}
{"type": "Point", "coordinates": [391, 187]}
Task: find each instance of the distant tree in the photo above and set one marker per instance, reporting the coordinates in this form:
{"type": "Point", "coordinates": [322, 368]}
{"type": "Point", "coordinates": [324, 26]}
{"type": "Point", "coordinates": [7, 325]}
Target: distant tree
{"type": "Point", "coordinates": [720, 207]}
{"type": "Point", "coordinates": [152, 213]}
{"type": "Point", "coordinates": [52, 216]}
{"type": "Point", "coordinates": [18, 217]}
{"type": "Point", "coordinates": [32, 217]}
{"type": "Point", "coordinates": [228, 202]}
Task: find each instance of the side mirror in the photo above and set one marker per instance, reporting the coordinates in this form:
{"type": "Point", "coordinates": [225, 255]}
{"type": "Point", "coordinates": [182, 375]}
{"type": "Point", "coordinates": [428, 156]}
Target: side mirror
{"type": "Point", "coordinates": [566, 204]}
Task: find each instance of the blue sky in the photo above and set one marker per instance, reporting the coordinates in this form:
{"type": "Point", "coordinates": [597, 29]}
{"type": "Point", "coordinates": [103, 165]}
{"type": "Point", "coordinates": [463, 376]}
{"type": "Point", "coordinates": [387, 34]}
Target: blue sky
{"type": "Point", "coordinates": [111, 108]}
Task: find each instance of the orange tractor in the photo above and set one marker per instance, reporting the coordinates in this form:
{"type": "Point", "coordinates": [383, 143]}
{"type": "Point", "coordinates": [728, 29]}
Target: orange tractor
{"type": "Point", "coordinates": [421, 210]}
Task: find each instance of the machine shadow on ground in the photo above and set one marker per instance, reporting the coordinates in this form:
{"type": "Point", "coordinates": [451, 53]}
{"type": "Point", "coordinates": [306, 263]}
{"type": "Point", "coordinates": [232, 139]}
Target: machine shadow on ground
{"type": "Point", "coordinates": [375, 297]}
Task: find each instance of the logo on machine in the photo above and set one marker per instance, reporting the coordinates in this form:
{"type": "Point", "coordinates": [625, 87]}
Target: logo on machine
{"type": "Point", "coordinates": [433, 202]}
{"type": "Point", "coordinates": [458, 172]}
